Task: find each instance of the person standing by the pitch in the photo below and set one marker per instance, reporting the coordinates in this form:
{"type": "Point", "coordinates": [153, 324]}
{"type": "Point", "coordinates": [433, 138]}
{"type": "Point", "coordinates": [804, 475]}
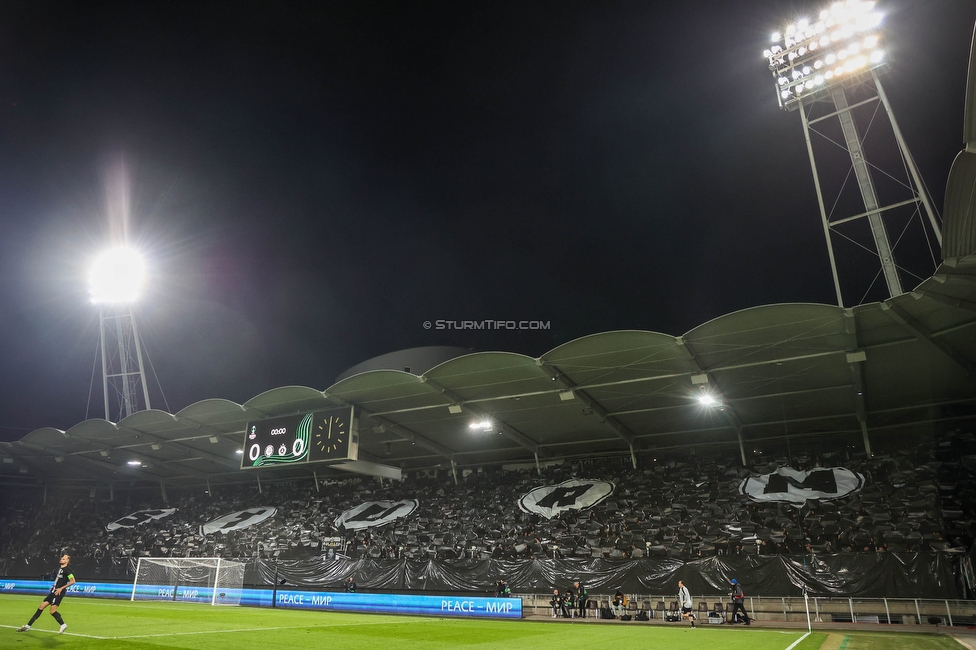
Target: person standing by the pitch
{"type": "Point", "coordinates": [684, 600]}
{"type": "Point", "coordinates": [63, 580]}
{"type": "Point", "coordinates": [738, 602]}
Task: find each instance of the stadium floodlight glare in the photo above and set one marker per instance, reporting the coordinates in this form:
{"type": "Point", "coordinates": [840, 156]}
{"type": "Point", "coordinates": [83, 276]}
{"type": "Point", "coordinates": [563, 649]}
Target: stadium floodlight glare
{"type": "Point", "coordinates": [842, 33]}
{"type": "Point", "coordinates": [117, 276]}
{"type": "Point", "coordinates": [483, 425]}
{"type": "Point", "coordinates": [134, 463]}
{"type": "Point", "coordinates": [707, 399]}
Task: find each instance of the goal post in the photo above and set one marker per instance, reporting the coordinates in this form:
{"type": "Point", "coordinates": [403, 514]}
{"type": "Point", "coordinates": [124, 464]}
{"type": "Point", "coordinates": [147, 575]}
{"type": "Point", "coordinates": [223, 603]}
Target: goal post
{"type": "Point", "coordinates": [206, 580]}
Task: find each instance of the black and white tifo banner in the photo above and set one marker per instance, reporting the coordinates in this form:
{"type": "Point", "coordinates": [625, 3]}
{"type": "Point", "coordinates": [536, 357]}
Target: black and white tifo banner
{"type": "Point", "coordinates": [792, 486]}
{"type": "Point", "coordinates": [238, 520]}
{"type": "Point", "coordinates": [574, 494]}
{"type": "Point", "coordinates": [140, 517]}
{"type": "Point", "coordinates": [375, 513]}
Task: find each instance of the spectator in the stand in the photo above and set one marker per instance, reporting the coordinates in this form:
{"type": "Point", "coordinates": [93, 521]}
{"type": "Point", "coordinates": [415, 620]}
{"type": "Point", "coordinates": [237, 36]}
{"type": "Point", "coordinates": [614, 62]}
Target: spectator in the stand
{"type": "Point", "coordinates": [502, 589]}
{"type": "Point", "coordinates": [351, 585]}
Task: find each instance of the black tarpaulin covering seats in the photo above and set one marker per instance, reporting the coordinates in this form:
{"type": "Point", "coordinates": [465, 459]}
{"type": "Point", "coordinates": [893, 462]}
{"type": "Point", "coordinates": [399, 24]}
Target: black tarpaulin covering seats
{"type": "Point", "coordinates": [865, 575]}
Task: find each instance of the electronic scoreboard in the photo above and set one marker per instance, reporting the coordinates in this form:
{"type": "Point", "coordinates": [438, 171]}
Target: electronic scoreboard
{"type": "Point", "coordinates": [307, 438]}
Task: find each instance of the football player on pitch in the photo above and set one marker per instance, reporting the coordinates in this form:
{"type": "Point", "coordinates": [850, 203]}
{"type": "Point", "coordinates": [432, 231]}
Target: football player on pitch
{"type": "Point", "coordinates": [63, 580]}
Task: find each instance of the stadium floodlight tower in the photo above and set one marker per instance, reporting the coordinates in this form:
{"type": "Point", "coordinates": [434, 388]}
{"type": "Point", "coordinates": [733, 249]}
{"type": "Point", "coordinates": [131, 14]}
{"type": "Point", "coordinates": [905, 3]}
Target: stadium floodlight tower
{"type": "Point", "coordinates": [115, 283]}
{"type": "Point", "coordinates": [827, 69]}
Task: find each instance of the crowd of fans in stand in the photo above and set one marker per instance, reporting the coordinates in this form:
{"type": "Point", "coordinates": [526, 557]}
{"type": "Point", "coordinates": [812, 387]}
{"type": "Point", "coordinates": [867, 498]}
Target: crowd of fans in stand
{"type": "Point", "coordinates": [913, 500]}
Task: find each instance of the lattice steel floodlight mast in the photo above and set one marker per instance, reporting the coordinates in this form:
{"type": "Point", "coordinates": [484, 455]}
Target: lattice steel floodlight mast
{"type": "Point", "coordinates": [115, 283]}
{"type": "Point", "coordinates": [823, 61]}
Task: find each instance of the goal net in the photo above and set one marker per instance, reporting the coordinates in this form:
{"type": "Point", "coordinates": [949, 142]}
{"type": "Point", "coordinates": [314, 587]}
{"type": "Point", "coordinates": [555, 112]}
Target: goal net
{"type": "Point", "coordinates": [195, 580]}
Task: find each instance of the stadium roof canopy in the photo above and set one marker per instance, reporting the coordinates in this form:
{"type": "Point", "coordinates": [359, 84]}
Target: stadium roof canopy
{"type": "Point", "coordinates": [901, 367]}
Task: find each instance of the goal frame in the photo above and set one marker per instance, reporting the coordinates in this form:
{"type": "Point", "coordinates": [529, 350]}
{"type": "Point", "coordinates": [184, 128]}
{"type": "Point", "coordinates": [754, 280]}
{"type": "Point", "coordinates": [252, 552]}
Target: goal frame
{"type": "Point", "coordinates": [217, 566]}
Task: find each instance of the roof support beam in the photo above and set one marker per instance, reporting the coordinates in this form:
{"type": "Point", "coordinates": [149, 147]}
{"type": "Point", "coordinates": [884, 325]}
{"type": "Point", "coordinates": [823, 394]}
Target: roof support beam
{"type": "Point", "coordinates": [957, 303]}
{"type": "Point", "coordinates": [101, 464]}
{"type": "Point", "coordinates": [726, 410]}
{"type": "Point", "coordinates": [565, 383]}
{"type": "Point", "coordinates": [26, 460]}
{"type": "Point", "coordinates": [509, 432]}
{"type": "Point", "coordinates": [855, 361]}
{"type": "Point", "coordinates": [214, 458]}
{"type": "Point", "coordinates": [920, 332]}
{"type": "Point", "coordinates": [412, 436]}
{"type": "Point", "coordinates": [217, 460]}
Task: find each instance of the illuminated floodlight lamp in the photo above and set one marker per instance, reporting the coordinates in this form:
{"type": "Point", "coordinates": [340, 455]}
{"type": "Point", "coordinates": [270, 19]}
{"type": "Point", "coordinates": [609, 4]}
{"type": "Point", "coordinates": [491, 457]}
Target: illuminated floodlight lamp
{"type": "Point", "coordinates": [481, 425]}
{"type": "Point", "coordinates": [709, 400]}
{"type": "Point", "coordinates": [134, 463]}
{"type": "Point", "coordinates": [117, 276]}
{"type": "Point", "coordinates": [848, 31]}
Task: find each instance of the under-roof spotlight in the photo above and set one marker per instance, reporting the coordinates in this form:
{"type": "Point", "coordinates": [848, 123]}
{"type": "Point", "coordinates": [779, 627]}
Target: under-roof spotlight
{"type": "Point", "coordinates": [134, 463]}
{"type": "Point", "coordinates": [481, 425]}
{"type": "Point", "coordinates": [239, 451]}
{"type": "Point", "coordinates": [707, 399]}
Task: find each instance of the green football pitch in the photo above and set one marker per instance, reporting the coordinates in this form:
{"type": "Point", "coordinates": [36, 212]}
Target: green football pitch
{"type": "Point", "coordinates": [110, 624]}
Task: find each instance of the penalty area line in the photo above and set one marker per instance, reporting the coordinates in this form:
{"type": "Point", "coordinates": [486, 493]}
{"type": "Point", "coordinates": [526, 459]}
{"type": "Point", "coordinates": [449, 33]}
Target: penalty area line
{"type": "Point", "coordinates": [797, 642]}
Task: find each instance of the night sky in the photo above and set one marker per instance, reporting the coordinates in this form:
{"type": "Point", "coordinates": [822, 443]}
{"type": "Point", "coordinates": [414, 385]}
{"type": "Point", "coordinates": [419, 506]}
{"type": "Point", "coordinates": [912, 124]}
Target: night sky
{"type": "Point", "coordinates": [313, 181]}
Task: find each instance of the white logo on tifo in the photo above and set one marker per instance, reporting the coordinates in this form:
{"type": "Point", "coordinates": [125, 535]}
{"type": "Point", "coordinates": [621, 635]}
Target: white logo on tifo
{"type": "Point", "coordinates": [375, 513]}
{"type": "Point", "coordinates": [574, 494]}
{"type": "Point", "coordinates": [140, 517]}
{"type": "Point", "coordinates": [238, 520]}
{"type": "Point", "coordinates": [793, 486]}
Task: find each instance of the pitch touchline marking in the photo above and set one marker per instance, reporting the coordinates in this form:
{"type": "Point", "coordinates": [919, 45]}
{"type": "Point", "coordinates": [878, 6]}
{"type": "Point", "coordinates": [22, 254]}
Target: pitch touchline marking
{"type": "Point", "coordinates": [797, 642]}
{"type": "Point", "coordinates": [251, 629]}
{"type": "Point", "coordinates": [34, 629]}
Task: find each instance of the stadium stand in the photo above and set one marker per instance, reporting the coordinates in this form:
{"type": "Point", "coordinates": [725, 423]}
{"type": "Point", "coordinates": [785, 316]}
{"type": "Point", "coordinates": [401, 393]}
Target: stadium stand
{"type": "Point", "coordinates": [913, 500]}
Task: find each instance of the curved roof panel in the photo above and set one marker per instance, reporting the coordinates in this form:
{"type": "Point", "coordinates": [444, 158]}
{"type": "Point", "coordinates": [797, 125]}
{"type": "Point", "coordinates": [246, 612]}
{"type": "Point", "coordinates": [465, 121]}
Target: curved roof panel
{"type": "Point", "coordinates": [287, 399]}
{"type": "Point", "coordinates": [488, 375]}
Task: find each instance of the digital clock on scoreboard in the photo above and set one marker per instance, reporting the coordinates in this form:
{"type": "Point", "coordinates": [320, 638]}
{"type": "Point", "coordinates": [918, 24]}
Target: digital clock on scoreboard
{"type": "Point", "coordinates": [307, 438]}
